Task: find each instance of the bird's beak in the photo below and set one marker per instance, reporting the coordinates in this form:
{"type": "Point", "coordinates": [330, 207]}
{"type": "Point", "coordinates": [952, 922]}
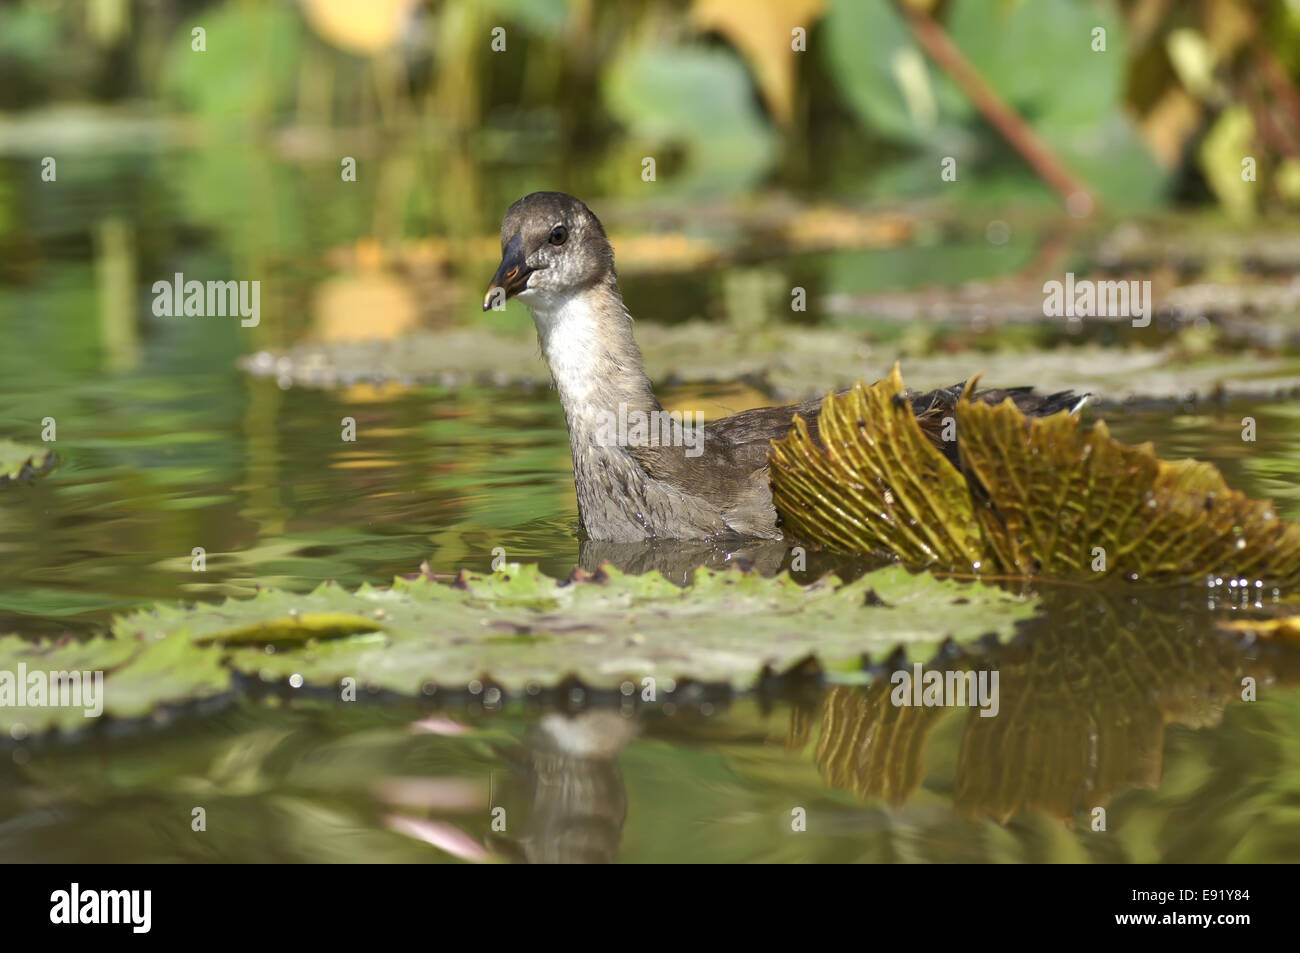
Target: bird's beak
{"type": "Point", "coordinates": [511, 277]}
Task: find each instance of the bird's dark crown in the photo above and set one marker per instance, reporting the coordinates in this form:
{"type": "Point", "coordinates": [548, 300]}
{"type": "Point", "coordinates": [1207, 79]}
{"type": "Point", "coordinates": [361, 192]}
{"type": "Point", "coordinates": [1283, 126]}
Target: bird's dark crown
{"type": "Point", "coordinates": [551, 245]}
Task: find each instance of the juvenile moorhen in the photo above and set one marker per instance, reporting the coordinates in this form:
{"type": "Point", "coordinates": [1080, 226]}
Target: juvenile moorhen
{"type": "Point", "coordinates": [556, 259]}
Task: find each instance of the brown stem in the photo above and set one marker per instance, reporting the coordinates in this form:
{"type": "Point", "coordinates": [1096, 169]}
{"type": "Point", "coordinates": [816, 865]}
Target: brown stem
{"type": "Point", "coordinates": [1002, 117]}
{"type": "Point", "coordinates": [1278, 81]}
{"type": "Point", "coordinates": [1268, 130]}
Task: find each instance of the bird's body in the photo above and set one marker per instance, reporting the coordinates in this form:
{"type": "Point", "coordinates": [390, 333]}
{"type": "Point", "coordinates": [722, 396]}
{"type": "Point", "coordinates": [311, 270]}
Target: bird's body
{"type": "Point", "coordinates": [712, 483]}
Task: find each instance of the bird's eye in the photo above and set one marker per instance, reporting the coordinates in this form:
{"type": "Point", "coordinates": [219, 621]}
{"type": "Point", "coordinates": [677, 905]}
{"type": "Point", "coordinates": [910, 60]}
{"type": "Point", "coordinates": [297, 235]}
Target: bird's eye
{"type": "Point", "coordinates": [558, 235]}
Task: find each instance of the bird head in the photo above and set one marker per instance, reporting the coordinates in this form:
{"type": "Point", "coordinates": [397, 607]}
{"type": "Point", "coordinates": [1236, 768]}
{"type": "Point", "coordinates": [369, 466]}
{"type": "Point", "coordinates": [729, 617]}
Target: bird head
{"type": "Point", "coordinates": [552, 246]}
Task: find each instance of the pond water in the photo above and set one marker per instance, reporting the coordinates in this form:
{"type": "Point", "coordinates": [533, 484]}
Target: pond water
{"type": "Point", "coordinates": [1125, 699]}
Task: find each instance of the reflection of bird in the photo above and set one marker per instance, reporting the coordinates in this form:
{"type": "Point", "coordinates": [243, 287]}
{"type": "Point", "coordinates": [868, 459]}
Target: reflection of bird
{"type": "Point", "coordinates": [577, 803]}
{"type": "Point", "coordinates": [639, 473]}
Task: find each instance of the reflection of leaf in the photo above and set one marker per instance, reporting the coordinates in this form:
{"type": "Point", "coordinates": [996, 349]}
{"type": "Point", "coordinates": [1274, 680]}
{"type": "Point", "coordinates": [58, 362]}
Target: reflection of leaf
{"type": "Point", "coordinates": [19, 461]}
{"type": "Point", "coordinates": [521, 628]}
{"type": "Point", "coordinates": [1074, 726]}
{"type": "Point", "coordinates": [1034, 497]}
{"type": "Point", "coordinates": [254, 203]}
{"type": "Point", "coordinates": [1072, 730]}
{"type": "Point", "coordinates": [50, 603]}
{"type": "Point", "coordinates": [871, 746]}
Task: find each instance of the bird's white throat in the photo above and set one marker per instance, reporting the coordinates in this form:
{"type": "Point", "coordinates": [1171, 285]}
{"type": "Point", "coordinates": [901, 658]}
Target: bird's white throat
{"type": "Point", "coordinates": [586, 338]}
{"type": "Point", "coordinates": [568, 328]}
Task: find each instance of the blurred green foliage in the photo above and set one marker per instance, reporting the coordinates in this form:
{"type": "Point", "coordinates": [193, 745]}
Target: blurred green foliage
{"type": "Point", "coordinates": [248, 68]}
{"type": "Point", "coordinates": [654, 93]}
{"type": "Point", "coordinates": [692, 83]}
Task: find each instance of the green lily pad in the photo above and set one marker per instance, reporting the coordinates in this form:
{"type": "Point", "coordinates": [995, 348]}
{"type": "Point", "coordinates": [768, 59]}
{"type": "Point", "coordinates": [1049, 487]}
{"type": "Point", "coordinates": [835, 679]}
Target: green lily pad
{"type": "Point", "coordinates": [19, 461]}
{"type": "Point", "coordinates": [1033, 497]}
{"type": "Point", "coordinates": [1234, 315]}
{"type": "Point", "coordinates": [519, 629]}
{"type": "Point", "coordinates": [138, 677]}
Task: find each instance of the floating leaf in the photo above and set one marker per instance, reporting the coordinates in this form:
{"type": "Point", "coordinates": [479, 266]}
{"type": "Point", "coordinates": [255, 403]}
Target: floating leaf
{"type": "Point", "coordinates": [1034, 497]}
{"type": "Point", "coordinates": [793, 362]}
{"type": "Point", "coordinates": [520, 628]}
{"type": "Point", "coordinates": [138, 677]}
{"type": "Point", "coordinates": [19, 461]}
{"type": "Point", "coordinates": [293, 628]}
{"type": "Point", "coordinates": [163, 672]}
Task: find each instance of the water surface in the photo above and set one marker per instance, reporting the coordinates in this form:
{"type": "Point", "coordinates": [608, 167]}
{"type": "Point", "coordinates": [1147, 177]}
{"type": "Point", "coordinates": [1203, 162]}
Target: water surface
{"type": "Point", "coordinates": [1126, 699]}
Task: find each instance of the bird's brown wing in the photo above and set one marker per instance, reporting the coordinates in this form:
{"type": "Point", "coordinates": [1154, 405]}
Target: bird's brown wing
{"type": "Point", "coordinates": [933, 407]}
{"type": "Point", "coordinates": [735, 447]}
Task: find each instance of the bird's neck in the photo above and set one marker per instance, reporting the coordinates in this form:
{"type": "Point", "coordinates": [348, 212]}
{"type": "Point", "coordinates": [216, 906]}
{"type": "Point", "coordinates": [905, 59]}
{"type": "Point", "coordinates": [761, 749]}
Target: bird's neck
{"type": "Point", "coordinates": [586, 338]}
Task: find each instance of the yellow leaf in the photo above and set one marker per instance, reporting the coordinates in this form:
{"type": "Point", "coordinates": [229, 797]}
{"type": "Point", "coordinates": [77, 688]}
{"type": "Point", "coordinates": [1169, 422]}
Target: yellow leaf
{"type": "Point", "coordinates": [364, 307]}
{"type": "Point", "coordinates": [763, 30]}
{"type": "Point", "coordinates": [293, 628]}
{"type": "Point", "coordinates": [358, 26]}
{"type": "Point", "coordinates": [1036, 496]}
